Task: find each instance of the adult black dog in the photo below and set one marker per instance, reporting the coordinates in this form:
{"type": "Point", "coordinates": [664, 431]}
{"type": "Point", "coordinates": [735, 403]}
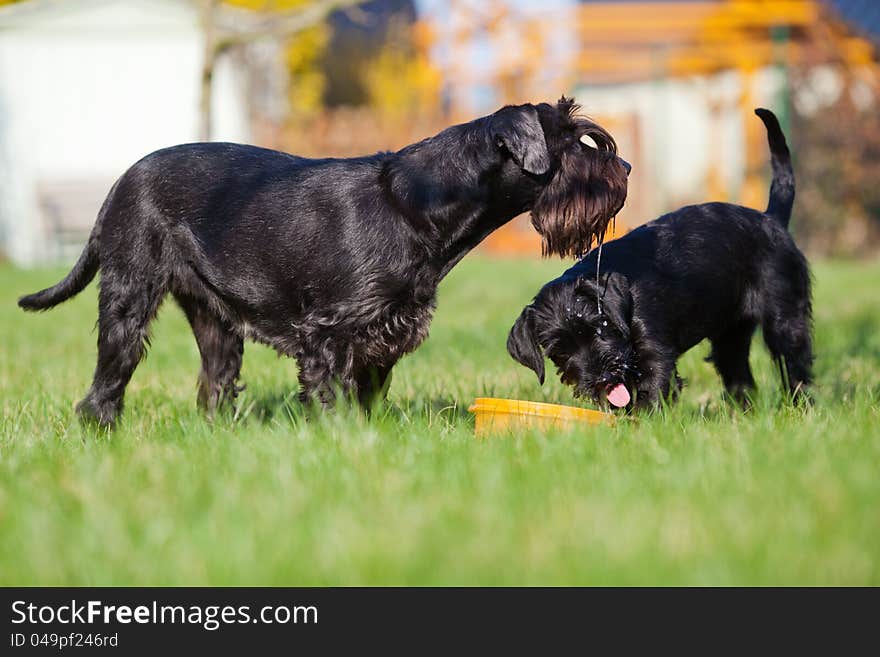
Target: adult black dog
{"type": "Point", "coordinates": [618, 320]}
{"type": "Point", "coordinates": [335, 262]}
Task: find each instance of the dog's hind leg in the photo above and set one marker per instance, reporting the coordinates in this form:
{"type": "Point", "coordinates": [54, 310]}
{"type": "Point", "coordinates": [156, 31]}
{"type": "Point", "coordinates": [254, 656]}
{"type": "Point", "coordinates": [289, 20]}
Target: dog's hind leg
{"type": "Point", "coordinates": [221, 350]}
{"type": "Point", "coordinates": [730, 354]}
{"type": "Point", "coordinates": [127, 304]}
{"type": "Point", "coordinates": [789, 340]}
{"type": "Point", "coordinates": [372, 385]}
{"type": "Point", "coordinates": [786, 321]}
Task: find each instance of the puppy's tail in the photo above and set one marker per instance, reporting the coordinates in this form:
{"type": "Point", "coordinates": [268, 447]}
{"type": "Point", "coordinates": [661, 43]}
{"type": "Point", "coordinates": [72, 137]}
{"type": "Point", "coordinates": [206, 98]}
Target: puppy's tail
{"type": "Point", "coordinates": [81, 275]}
{"type": "Point", "coordinates": [782, 186]}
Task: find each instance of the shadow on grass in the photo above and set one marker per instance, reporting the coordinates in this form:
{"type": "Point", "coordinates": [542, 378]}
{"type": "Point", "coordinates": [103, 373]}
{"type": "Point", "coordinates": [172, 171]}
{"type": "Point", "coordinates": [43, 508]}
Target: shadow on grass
{"type": "Point", "coordinates": [406, 410]}
{"type": "Point", "coordinates": [287, 407]}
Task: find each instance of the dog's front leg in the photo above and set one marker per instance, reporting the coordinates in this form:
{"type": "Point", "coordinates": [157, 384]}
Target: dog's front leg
{"type": "Point", "coordinates": [318, 382]}
{"type": "Point", "coordinates": [657, 368]}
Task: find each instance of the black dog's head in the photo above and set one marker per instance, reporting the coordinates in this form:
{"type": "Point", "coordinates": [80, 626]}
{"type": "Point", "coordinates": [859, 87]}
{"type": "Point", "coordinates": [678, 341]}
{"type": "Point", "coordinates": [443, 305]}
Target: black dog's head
{"type": "Point", "coordinates": [591, 348]}
{"type": "Point", "coordinates": [582, 183]}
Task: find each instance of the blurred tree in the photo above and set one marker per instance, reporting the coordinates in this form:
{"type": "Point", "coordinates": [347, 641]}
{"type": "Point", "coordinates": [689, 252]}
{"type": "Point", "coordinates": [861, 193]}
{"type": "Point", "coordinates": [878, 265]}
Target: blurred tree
{"type": "Point", "coordinates": [366, 55]}
{"type": "Point", "coordinates": [269, 19]}
{"type": "Point", "coordinates": [358, 37]}
{"type": "Point", "coordinates": [307, 79]}
{"type": "Point", "coordinates": [302, 54]}
{"type": "Point", "coordinates": [401, 79]}
{"type": "Point", "coordinates": [837, 163]}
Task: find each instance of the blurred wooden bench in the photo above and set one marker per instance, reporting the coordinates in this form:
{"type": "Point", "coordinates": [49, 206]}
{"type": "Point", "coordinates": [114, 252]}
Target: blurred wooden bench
{"type": "Point", "coordinates": [68, 210]}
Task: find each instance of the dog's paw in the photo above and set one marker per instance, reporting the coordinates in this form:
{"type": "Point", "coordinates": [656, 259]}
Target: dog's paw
{"type": "Point", "coordinates": [95, 415]}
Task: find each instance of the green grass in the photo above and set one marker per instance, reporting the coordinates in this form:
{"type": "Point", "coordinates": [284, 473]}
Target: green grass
{"type": "Point", "coordinates": [696, 494]}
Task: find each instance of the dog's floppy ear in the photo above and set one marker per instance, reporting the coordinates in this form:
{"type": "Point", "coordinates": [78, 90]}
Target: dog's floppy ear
{"type": "Point", "coordinates": [519, 130]}
{"type": "Point", "coordinates": [618, 301]}
{"type": "Point", "coordinates": [614, 294]}
{"type": "Point", "coordinates": [585, 286]}
{"type": "Point", "coordinates": [522, 343]}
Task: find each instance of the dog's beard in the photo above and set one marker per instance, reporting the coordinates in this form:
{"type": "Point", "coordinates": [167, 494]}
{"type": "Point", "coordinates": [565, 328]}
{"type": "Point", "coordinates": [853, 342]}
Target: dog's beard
{"type": "Point", "coordinates": [613, 384]}
{"type": "Point", "coordinates": [575, 209]}
{"type": "Point", "coordinates": [596, 371]}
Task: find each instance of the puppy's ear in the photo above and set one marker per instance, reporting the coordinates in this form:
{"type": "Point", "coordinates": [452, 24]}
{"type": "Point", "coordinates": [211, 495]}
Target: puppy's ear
{"type": "Point", "coordinates": [522, 343]}
{"type": "Point", "coordinates": [618, 301]}
{"type": "Point", "coordinates": [519, 130]}
{"type": "Point", "coordinates": [585, 286]}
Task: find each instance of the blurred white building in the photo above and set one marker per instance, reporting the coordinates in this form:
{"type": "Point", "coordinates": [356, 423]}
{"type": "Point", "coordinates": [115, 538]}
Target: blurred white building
{"type": "Point", "coordinates": [688, 136]}
{"type": "Point", "coordinates": [88, 87]}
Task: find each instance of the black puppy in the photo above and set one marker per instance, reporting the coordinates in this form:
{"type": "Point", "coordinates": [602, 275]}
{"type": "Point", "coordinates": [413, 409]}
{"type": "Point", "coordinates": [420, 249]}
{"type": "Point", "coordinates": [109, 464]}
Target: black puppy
{"type": "Point", "coordinates": [616, 322]}
{"type": "Point", "coordinates": [335, 262]}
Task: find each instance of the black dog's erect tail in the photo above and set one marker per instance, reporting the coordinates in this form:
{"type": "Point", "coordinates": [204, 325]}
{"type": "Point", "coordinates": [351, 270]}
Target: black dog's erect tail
{"type": "Point", "coordinates": [81, 275]}
{"type": "Point", "coordinates": [782, 187]}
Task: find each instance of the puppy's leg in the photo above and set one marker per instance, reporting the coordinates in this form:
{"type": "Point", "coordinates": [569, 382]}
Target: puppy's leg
{"type": "Point", "coordinates": [788, 337]}
{"type": "Point", "coordinates": [127, 304]}
{"type": "Point", "coordinates": [221, 351]}
{"type": "Point", "coordinates": [657, 372]}
{"type": "Point", "coordinates": [372, 385]}
{"type": "Point", "coordinates": [730, 354]}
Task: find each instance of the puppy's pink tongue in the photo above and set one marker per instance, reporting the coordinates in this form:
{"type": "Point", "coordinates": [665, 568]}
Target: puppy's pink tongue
{"type": "Point", "coordinates": [618, 396]}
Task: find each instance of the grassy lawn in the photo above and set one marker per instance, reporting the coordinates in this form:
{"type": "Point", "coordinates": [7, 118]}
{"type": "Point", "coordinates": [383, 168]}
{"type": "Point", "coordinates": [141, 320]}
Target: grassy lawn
{"type": "Point", "coordinates": [696, 494]}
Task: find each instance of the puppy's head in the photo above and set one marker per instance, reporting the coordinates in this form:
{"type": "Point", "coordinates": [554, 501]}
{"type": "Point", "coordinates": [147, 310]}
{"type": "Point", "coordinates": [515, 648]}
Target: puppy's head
{"type": "Point", "coordinates": [581, 182]}
{"type": "Point", "coordinates": [592, 350]}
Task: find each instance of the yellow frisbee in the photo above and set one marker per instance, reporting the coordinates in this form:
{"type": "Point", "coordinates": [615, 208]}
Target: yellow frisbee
{"type": "Point", "coordinates": [498, 415]}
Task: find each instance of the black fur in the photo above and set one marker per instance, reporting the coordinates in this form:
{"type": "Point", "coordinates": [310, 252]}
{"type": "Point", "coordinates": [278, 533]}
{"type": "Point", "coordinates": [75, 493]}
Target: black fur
{"type": "Point", "coordinates": [335, 262]}
{"type": "Point", "coordinates": [715, 271]}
